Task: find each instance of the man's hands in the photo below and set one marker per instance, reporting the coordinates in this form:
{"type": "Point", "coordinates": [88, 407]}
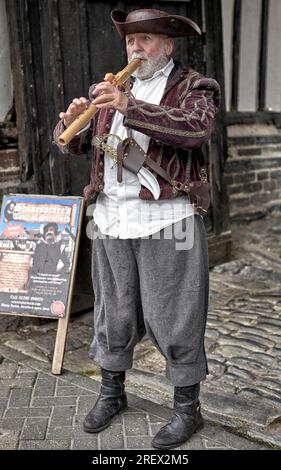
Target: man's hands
{"type": "Point", "coordinates": [110, 97]}
{"type": "Point", "coordinates": [77, 106]}
{"type": "Point", "coordinates": [105, 96]}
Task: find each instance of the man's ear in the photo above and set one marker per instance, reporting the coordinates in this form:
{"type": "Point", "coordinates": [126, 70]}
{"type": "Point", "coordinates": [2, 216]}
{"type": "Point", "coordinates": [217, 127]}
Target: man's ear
{"type": "Point", "coordinates": [169, 46]}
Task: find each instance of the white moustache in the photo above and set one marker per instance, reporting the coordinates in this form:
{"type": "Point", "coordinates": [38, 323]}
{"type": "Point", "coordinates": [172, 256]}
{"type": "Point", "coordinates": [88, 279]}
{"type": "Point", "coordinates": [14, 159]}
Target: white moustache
{"type": "Point", "coordinates": [137, 56]}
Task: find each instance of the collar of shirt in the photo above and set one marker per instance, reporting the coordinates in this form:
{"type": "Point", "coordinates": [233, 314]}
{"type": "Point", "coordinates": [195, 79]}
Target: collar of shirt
{"type": "Point", "coordinates": [166, 70]}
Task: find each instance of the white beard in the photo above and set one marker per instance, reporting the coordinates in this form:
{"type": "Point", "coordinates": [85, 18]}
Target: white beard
{"type": "Point", "coordinates": [149, 66]}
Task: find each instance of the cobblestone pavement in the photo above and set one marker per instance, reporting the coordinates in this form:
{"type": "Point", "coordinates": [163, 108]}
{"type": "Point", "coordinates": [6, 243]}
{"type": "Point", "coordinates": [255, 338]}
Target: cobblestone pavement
{"type": "Point", "coordinates": [41, 411]}
{"type": "Point", "coordinates": [243, 337]}
{"type": "Point", "coordinates": [244, 333]}
{"type": "Point", "coordinates": [243, 343]}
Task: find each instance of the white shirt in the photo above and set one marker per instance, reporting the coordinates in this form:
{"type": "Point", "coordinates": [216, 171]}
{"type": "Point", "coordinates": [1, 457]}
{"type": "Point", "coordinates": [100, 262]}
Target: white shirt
{"type": "Point", "coordinates": [119, 211]}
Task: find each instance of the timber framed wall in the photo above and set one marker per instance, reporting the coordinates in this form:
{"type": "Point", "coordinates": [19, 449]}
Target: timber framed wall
{"type": "Point", "coordinates": [252, 60]}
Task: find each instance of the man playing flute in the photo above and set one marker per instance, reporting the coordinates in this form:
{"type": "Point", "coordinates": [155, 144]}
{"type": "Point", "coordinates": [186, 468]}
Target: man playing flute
{"type": "Point", "coordinates": [145, 283]}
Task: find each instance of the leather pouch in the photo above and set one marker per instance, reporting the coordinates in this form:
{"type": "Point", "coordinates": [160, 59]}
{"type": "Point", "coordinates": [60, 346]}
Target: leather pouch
{"type": "Point", "coordinates": [131, 155]}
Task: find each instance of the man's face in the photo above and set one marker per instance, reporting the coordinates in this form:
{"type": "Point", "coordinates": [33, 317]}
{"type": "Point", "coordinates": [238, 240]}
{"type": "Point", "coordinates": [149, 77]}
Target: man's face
{"type": "Point", "coordinates": [50, 235]}
{"type": "Point", "coordinates": [153, 49]}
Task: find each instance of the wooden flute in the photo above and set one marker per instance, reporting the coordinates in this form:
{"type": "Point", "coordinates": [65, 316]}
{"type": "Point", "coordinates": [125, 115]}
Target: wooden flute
{"type": "Point", "coordinates": [82, 120]}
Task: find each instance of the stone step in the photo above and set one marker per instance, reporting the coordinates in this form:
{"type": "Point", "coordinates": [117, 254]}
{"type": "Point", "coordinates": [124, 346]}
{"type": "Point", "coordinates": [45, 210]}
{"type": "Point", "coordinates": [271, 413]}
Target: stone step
{"type": "Point", "coordinates": [219, 404]}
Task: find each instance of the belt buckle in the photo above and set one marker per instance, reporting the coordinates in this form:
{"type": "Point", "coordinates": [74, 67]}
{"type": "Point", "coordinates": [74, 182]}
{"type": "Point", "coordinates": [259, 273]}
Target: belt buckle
{"type": "Point", "coordinates": [181, 186]}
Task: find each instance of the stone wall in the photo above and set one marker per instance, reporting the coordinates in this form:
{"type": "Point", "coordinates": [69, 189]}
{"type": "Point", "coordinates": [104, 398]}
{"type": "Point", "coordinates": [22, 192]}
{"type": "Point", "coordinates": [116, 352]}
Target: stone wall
{"type": "Point", "coordinates": [253, 170]}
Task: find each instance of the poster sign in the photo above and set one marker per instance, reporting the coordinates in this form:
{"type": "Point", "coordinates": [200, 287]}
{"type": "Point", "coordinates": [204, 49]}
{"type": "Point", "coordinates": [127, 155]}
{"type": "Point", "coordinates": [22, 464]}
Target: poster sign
{"type": "Point", "coordinates": [38, 248]}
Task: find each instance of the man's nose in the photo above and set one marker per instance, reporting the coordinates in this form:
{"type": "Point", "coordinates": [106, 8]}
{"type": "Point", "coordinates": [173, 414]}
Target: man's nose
{"type": "Point", "coordinates": [136, 47]}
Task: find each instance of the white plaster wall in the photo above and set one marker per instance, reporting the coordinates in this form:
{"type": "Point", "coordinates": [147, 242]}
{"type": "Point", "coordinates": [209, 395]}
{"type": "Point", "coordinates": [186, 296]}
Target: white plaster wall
{"type": "Point", "coordinates": [227, 22]}
{"type": "Point", "coordinates": [6, 83]}
{"type": "Point", "coordinates": [273, 74]}
{"type": "Point", "coordinates": [249, 55]}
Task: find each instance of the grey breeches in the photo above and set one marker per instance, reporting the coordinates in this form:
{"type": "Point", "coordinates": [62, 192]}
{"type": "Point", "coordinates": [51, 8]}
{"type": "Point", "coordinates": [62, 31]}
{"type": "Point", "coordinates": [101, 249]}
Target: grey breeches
{"type": "Point", "coordinates": [147, 286]}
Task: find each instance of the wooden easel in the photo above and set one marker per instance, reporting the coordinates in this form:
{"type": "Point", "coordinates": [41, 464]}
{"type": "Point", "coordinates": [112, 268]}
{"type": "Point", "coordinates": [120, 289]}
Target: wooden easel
{"type": "Point", "coordinates": [63, 321]}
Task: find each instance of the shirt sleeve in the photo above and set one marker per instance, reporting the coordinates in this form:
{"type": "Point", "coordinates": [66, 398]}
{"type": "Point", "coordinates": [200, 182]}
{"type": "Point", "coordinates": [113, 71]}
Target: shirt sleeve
{"type": "Point", "coordinates": [80, 143]}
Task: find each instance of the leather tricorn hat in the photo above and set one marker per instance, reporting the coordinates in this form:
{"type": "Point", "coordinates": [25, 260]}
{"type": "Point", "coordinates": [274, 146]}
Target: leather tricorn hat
{"type": "Point", "coordinates": [153, 21]}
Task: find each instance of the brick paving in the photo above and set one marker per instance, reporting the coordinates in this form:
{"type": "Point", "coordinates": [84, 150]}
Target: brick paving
{"type": "Point", "coordinates": [41, 411]}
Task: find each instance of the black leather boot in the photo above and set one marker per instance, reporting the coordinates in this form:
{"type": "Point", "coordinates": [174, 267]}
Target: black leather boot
{"type": "Point", "coordinates": [185, 421]}
{"type": "Point", "coordinates": [111, 400]}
